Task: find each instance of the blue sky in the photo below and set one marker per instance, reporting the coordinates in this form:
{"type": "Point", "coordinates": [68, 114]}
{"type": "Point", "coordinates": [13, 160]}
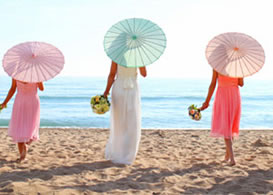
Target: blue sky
{"type": "Point", "coordinates": [77, 28]}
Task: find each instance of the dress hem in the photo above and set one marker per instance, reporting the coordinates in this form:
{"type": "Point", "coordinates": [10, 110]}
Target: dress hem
{"type": "Point", "coordinates": [216, 135]}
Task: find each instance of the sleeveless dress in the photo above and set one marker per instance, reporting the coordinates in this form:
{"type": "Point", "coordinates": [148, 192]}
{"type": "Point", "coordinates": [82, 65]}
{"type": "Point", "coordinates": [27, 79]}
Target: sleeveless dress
{"type": "Point", "coordinates": [25, 120]}
{"type": "Point", "coordinates": [226, 108]}
{"type": "Point", "coordinates": [125, 122]}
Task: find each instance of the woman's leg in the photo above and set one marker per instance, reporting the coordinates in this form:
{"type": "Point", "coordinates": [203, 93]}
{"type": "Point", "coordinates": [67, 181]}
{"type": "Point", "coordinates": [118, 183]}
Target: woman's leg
{"type": "Point", "coordinates": [22, 150]}
{"type": "Point", "coordinates": [230, 151]}
{"type": "Point", "coordinates": [227, 155]}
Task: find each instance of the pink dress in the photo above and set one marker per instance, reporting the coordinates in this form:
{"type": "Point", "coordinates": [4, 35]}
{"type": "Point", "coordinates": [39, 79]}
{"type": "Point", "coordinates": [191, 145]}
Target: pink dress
{"type": "Point", "coordinates": [226, 108]}
{"type": "Point", "coordinates": [25, 120]}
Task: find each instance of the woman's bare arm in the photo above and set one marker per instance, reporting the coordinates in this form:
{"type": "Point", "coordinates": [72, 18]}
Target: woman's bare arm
{"type": "Point", "coordinates": [41, 86]}
{"type": "Point", "coordinates": [241, 82]}
{"type": "Point", "coordinates": [10, 93]}
{"type": "Point", "coordinates": [143, 71]}
{"type": "Point", "coordinates": [210, 91]}
{"type": "Point", "coordinates": [111, 78]}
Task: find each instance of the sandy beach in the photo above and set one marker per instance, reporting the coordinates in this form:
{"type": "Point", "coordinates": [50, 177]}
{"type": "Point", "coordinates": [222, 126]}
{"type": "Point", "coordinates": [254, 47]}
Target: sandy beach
{"type": "Point", "coordinates": [71, 161]}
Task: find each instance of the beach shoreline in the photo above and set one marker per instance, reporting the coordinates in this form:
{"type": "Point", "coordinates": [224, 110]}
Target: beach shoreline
{"type": "Point", "coordinates": [180, 161]}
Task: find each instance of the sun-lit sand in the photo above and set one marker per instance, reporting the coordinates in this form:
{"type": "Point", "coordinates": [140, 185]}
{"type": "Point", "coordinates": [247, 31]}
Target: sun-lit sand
{"type": "Point", "coordinates": [71, 161]}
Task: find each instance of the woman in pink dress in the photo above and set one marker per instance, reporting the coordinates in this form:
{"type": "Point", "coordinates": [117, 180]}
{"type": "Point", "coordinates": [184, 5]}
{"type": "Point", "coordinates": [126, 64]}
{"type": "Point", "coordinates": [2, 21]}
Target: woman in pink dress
{"type": "Point", "coordinates": [25, 120]}
{"type": "Point", "coordinates": [226, 110]}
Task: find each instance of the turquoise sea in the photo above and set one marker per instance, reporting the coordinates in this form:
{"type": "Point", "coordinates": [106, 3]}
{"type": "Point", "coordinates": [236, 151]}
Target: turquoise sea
{"type": "Point", "coordinates": [66, 103]}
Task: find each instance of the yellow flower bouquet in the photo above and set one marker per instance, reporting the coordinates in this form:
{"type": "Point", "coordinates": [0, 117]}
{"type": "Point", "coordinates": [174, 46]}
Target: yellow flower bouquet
{"type": "Point", "coordinates": [100, 104]}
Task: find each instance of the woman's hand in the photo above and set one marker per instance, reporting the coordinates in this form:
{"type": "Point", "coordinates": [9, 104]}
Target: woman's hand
{"type": "Point", "coordinates": [3, 106]}
{"type": "Point", "coordinates": [204, 106]}
{"type": "Point", "coordinates": [105, 94]}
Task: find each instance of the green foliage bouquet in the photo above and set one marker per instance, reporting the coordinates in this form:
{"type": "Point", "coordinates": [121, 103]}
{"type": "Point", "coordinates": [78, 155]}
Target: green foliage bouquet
{"type": "Point", "coordinates": [194, 112]}
{"type": "Point", "coordinates": [100, 104]}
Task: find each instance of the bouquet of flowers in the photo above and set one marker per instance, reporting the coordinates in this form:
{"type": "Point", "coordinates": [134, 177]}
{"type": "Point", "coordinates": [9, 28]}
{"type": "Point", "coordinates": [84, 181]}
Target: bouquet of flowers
{"type": "Point", "coordinates": [100, 104]}
{"type": "Point", "coordinates": [1, 108]}
{"type": "Point", "coordinates": [194, 112]}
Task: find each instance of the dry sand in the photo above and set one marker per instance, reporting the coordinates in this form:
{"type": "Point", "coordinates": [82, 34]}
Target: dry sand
{"type": "Point", "coordinates": [71, 161]}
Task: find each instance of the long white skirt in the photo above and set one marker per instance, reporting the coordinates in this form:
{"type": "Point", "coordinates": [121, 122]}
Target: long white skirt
{"type": "Point", "coordinates": [125, 124]}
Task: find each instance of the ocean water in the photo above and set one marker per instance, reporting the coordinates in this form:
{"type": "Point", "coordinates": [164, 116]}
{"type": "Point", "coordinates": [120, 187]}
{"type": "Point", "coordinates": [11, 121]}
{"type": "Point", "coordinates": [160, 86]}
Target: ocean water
{"type": "Point", "coordinates": [66, 103]}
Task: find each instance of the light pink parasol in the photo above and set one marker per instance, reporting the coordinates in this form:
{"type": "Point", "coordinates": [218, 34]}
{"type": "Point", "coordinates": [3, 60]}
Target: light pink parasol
{"type": "Point", "coordinates": [33, 62]}
{"type": "Point", "coordinates": [235, 54]}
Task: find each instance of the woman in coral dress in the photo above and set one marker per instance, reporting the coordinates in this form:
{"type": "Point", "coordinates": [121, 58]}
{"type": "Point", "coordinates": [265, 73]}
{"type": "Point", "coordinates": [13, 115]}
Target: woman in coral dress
{"type": "Point", "coordinates": [25, 120]}
{"type": "Point", "coordinates": [125, 123]}
{"type": "Point", "coordinates": [226, 110]}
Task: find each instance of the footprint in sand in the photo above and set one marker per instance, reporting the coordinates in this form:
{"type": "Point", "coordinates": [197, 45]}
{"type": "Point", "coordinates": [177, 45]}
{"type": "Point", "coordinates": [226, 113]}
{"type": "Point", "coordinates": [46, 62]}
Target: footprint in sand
{"type": "Point", "coordinates": [250, 158]}
{"type": "Point", "coordinates": [264, 152]}
{"type": "Point", "coordinates": [259, 143]}
{"type": "Point", "coordinates": [192, 177]}
{"type": "Point", "coordinates": [77, 152]}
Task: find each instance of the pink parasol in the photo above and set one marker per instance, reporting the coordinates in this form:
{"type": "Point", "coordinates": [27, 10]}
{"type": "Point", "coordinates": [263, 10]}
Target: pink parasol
{"type": "Point", "coordinates": [33, 62]}
{"type": "Point", "coordinates": [235, 54]}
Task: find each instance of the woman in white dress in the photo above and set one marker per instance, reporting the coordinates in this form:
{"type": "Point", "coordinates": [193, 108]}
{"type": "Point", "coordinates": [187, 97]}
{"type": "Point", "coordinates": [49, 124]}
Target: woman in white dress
{"type": "Point", "coordinates": [125, 123]}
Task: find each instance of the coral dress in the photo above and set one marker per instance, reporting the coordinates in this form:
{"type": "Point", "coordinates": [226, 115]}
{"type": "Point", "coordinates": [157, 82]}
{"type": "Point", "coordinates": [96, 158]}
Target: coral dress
{"type": "Point", "coordinates": [125, 124]}
{"type": "Point", "coordinates": [25, 119]}
{"type": "Point", "coordinates": [226, 108]}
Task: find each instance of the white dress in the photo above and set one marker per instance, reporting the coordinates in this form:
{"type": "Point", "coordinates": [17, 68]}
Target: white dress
{"type": "Point", "coordinates": [125, 124]}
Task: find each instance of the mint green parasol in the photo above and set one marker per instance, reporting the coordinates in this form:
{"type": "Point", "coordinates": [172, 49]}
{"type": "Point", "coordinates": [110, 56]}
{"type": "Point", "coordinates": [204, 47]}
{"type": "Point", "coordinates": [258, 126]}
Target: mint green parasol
{"type": "Point", "coordinates": [134, 42]}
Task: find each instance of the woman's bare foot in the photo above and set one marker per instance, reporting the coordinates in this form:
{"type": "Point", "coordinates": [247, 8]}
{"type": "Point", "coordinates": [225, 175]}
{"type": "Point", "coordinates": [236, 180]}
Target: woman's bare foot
{"type": "Point", "coordinates": [232, 162]}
